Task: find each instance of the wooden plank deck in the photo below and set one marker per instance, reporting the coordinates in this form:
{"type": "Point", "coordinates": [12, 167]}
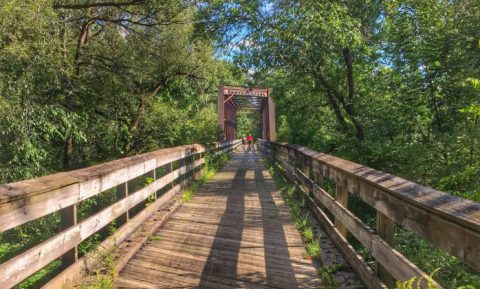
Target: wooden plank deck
{"type": "Point", "coordinates": [235, 233]}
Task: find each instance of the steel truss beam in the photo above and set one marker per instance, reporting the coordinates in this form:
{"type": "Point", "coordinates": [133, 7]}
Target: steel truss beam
{"type": "Point", "coordinates": [234, 98]}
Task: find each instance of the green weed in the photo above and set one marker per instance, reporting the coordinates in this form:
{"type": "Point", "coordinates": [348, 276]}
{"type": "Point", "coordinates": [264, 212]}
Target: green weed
{"type": "Point", "coordinates": [155, 238]}
{"type": "Point", "coordinates": [301, 222]}
{"type": "Point", "coordinates": [273, 215]}
{"type": "Point", "coordinates": [187, 196]}
{"type": "Point", "coordinates": [295, 209]}
{"type": "Point", "coordinates": [100, 282]}
{"type": "Point", "coordinates": [326, 274]}
{"type": "Point", "coordinates": [415, 282]}
{"type": "Point", "coordinates": [313, 249]}
{"type": "Point", "coordinates": [106, 273]}
{"type": "Point", "coordinates": [308, 234]}
{"type": "Point", "coordinates": [148, 181]}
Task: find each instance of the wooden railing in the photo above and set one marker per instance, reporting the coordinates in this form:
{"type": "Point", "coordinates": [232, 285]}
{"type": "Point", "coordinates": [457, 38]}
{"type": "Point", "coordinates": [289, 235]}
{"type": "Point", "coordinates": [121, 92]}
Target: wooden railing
{"type": "Point", "coordinates": [25, 201]}
{"type": "Point", "coordinates": [446, 221]}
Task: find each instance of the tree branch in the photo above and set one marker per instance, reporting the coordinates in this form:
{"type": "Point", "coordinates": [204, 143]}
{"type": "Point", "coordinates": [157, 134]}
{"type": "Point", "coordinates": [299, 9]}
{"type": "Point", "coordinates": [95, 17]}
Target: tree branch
{"type": "Point", "coordinates": [100, 4]}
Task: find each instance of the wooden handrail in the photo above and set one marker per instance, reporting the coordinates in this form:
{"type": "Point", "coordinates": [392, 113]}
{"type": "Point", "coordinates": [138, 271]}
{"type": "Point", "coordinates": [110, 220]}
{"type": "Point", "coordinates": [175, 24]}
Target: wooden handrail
{"type": "Point", "coordinates": [24, 201]}
{"type": "Point", "coordinates": [446, 221]}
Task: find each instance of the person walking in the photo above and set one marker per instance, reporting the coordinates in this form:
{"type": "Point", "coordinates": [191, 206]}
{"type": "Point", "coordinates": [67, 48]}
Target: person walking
{"type": "Point", "coordinates": [250, 141]}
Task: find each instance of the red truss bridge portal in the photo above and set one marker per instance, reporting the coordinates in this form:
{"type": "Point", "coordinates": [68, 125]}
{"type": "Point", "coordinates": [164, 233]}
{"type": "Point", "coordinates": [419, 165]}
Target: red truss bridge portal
{"type": "Point", "coordinates": [234, 98]}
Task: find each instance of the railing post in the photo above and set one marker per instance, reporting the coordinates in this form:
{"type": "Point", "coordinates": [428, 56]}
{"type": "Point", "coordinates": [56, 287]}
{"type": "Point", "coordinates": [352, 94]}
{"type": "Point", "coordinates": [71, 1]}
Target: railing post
{"type": "Point", "coordinates": [68, 218]}
{"type": "Point", "coordinates": [187, 165]}
{"type": "Point", "coordinates": [170, 168]}
{"type": "Point", "coordinates": [306, 168]}
{"type": "Point", "coordinates": [154, 177]}
{"type": "Point", "coordinates": [290, 161]}
{"type": "Point", "coordinates": [317, 174]}
{"type": "Point", "coordinates": [197, 174]}
{"type": "Point", "coordinates": [386, 230]}
{"type": "Point", "coordinates": [273, 152]}
{"type": "Point", "coordinates": [122, 192]}
{"type": "Point", "coordinates": [341, 196]}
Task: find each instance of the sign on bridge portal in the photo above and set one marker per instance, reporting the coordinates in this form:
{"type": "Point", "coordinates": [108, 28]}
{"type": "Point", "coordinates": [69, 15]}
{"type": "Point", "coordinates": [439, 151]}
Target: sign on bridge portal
{"type": "Point", "coordinates": [234, 98]}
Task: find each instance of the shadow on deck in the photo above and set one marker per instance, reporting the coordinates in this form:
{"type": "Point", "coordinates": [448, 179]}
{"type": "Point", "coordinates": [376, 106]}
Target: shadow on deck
{"type": "Point", "coordinates": [235, 233]}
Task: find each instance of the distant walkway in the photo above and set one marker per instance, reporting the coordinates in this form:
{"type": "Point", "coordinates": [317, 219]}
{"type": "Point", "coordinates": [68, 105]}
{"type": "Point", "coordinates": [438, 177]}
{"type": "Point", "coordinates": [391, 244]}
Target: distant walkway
{"type": "Point", "coordinates": [236, 232]}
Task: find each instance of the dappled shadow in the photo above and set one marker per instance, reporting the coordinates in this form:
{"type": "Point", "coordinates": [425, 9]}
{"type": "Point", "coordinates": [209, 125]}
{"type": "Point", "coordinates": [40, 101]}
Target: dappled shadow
{"type": "Point", "coordinates": [251, 216]}
{"type": "Point", "coordinates": [273, 230]}
{"type": "Point", "coordinates": [235, 233]}
{"type": "Point", "coordinates": [233, 214]}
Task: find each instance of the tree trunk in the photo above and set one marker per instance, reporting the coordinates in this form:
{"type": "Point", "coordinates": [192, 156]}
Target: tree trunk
{"type": "Point", "coordinates": [347, 57]}
{"type": "Point", "coordinates": [338, 113]}
{"type": "Point", "coordinates": [347, 106]}
{"type": "Point", "coordinates": [70, 97]}
{"type": "Point", "coordinates": [138, 115]}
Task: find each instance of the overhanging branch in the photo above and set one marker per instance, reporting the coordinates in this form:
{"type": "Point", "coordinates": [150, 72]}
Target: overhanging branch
{"type": "Point", "coordinates": [99, 4]}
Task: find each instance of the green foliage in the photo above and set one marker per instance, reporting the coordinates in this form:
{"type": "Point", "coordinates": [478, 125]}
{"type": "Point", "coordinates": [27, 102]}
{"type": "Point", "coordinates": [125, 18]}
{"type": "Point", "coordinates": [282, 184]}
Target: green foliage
{"type": "Point", "coordinates": [42, 276]}
{"type": "Point", "coordinates": [416, 283]}
{"type": "Point", "coordinates": [451, 274]}
{"type": "Point", "coordinates": [155, 238]}
{"type": "Point", "coordinates": [104, 276]}
{"type": "Point", "coordinates": [403, 72]}
{"type": "Point", "coordinates": [187, 195]}
{"type": "Point", "coordinates": [389, 84]}
{"type": "Point", "coordinates": [326, 274]}
{"type": "Point", "coordinates": [248, 123]}
{"type": "Point", "coordinates": [138, 78]}
{"type": "Point", "coordinates": [308, 234]}
{"type": "Point", "coordinates": [313, 249]}
{"type": "Point", "coordinates": [301, 222]}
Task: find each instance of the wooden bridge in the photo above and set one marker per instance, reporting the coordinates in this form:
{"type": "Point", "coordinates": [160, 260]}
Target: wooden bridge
{"type": "Point", "coordinates": [236, 232]}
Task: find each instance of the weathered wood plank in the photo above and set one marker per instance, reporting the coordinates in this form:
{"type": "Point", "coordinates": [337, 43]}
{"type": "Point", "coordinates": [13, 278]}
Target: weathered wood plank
{"type": "Point", "coordinates": [341, 195]}
{"type": "Point", "coordinates": [20, 267]}
{"type": "Point", "coordinates": [236, 231]}
{"type": "Point", "coordinates": [25, 201]}
{"type": "Point", "coordinates": [68, 219]}
{"type": "Point", "coordinates": [396, 264]}
{"type": "Point", "coordinates": [74, 272]}
{"type": "Point", "coordinates": [448, 222]}
{"type": "Point", "coordinates": [386, 230]}
{"type": "Point", "coordinates": [459, 210]}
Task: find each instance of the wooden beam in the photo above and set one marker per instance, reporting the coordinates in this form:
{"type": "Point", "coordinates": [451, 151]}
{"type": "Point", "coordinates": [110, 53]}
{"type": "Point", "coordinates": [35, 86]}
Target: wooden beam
{"type": "Point", "coordinates": [121, 193]}
{"type": "Point", "coordinates": [396, 264]}
{"type": "Point", "coordinates": [272, 135]}
{"type": "Point", "coordinates": [28, 200]}
{"type": "Point", "coordinates": [228, 98]}
{"type": "Point", "coordinates": [68, 219]}
{"type": "Point", "coordinates": [24, 201]}
{"type": "Point", "coordinates": [341, 195]}
{"type": "Point", "coordinates": [23, 265]}
{"type": "Point", "coordinates": [221, 113]}
{"type": "Point", "coordinates": [386, 230]}
{"type": "Point", "coordinates": [449, 222]}
{"type": "Point", "coordinates": [74, 273]}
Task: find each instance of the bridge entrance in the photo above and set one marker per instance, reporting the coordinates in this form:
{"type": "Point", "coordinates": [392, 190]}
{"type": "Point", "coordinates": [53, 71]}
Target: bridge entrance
{"type": "Point", "coordinates": [234, 98]}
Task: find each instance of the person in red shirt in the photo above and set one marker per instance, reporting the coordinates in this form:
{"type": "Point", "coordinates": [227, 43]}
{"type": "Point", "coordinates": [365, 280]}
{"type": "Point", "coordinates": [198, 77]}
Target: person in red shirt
{"type": "Point", "coordinates": [250, 140]}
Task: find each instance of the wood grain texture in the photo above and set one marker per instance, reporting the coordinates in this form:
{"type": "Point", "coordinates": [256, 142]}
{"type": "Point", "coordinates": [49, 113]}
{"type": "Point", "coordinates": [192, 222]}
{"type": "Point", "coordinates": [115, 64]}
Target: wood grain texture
{"type": "Point", "coordinates": [23, 265]}
{"type": "Point", "coordinates": [448, 222]}
{"type": "Point", "coordinates": [235, 233]}
{"type": "Point", "coordinates": [74, 273]}
{"type": "Point", "coordinates": [25, 201]}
